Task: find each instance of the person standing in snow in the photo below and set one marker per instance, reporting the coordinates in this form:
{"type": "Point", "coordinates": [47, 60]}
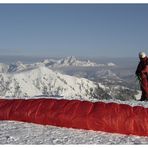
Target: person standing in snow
{"type": "Point", "coordinates": [142, 75]}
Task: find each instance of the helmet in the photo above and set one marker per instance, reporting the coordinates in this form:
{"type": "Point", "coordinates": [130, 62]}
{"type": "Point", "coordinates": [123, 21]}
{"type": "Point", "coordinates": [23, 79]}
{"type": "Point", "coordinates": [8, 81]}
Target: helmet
{"type": "Point", "coordinates": [142, 55]}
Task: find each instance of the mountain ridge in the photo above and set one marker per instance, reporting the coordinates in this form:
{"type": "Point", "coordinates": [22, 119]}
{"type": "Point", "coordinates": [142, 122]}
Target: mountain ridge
{"type": "Point", "coordinates": [52, 63]}
{"type": "Point", "coordinates": [44, 81]}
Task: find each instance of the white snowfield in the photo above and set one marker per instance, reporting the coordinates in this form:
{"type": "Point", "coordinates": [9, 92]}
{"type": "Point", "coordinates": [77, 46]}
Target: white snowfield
{"type": "Point", "coordinates": [27, 133]}
{"type": "Point", "coordinates": [44, 81]}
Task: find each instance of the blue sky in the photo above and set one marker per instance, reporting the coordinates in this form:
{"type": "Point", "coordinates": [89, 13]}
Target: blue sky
{"type": "Point", "coordinates": [94, 30]}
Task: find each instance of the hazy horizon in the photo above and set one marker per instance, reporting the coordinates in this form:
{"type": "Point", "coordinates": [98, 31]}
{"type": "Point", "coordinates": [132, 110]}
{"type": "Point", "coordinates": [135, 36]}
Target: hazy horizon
{"type": "Point", "coordinates": [121, 61]}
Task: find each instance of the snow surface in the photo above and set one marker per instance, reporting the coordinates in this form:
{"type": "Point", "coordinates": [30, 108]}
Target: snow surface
{"type": "Point", "coordinates": [42, 80]}
{"type": "Point", "coordinates": [138, 96]}
{"type": "Point", "coordinates": [27, 133]}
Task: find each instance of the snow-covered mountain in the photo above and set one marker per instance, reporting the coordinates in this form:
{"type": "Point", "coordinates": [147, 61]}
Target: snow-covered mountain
{"type": "Point", "coordinates": [106, 74]}
{"type": "Point", "coordinates": [68, 61]}
{"type": "Point", "coordinates": [72, 61]}
{"type": "Point", "coordinates": [109, 84]}
{"type": "Point", "coordinates": [52, 63]}
{"type": "Point", "coordinates": [106, 83]}
{"type": "Point", "coordinates": [44, 81]}
{"type": "Point", "coordinates": [3, 68]}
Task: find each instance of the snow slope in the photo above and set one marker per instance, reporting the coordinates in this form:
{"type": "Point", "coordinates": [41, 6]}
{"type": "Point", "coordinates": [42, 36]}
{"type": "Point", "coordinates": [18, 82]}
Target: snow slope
{"type": "Point", "coordinates": [44, 81]}
{"type": "Point", "coordinates": [27, 133]}
{"type": "Point", "coordinates": [4, 67]}
{"type": "Point", "coordinates": [37, 79]}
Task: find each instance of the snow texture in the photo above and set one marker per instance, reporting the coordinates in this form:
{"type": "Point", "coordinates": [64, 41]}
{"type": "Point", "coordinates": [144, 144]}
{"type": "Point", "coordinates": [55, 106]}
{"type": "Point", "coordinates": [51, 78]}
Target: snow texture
{"type": "Point", "coordinates": [27, 133]}
{"type": "Point", "coordinates": [44, 81]}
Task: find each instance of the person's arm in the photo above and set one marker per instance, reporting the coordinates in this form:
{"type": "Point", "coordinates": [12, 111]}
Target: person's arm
{"type": "Point", "coordinates": [138, 71]}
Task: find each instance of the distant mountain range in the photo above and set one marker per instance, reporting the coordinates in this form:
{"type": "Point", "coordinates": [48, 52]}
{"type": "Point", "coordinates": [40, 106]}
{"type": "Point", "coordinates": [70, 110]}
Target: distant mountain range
{"type": "Point", "coordinates": [37, 79]}
{"type": "Point", "coordinates": [72, 61]}
{"type": "Point", "coordinates": [51, 78]}
{"type": "Point", "coordinates": [50, 63]}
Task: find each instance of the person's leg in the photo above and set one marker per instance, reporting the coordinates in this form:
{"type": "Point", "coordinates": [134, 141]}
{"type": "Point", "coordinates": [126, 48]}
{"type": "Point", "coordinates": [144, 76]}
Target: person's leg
{"type": "Point", "coordinates": [144, 89]}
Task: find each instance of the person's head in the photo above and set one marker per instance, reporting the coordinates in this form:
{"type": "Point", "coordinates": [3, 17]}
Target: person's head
{"type": "Point", "coordinates": [142, 55]}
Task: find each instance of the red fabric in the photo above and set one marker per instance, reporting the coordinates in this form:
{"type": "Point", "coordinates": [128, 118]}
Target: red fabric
{"type": "Point", "coordinates": [99, 116]}
{"type": "Point", "coordinates": [142, 72]}
{"type": "Point", "coordinates": [144, 82]}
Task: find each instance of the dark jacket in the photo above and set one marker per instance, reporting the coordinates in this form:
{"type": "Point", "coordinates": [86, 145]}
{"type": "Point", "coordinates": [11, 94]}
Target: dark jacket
{"type": "Point", "coordinates": [141, 66]}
